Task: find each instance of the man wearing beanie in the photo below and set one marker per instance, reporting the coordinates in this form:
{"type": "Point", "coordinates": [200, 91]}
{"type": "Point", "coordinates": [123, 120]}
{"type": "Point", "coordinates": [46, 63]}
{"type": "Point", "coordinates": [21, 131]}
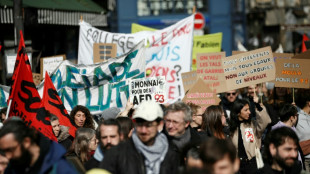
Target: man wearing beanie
{"type": "Point", "coordinates": [147, 151]}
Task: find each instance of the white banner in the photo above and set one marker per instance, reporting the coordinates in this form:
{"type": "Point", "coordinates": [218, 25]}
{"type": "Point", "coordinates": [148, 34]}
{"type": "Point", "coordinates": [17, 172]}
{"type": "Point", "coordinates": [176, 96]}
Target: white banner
{"type": "Point", "coordinates": [168, 54]}
{"type": "Point", "coordinates": [153, 88]}
{"type": "Point", "coordinates": [98, 86]}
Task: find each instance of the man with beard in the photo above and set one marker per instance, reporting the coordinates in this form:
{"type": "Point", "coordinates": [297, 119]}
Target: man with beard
{"type": "Point", "coordinates": [30, 152]}
{"type": "Point", "coordinates": [280, 153]}
{"type": "Point", "coordinates": [227, 101]}
{"type": "Point", "coordinates": [108, 134]}
{"type": "Point", "coordinates": [148, 150]}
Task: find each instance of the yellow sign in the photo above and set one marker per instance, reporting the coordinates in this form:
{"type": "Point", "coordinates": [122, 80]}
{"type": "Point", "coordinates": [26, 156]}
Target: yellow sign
{"type": "Point", "coordinates": [208, 43]}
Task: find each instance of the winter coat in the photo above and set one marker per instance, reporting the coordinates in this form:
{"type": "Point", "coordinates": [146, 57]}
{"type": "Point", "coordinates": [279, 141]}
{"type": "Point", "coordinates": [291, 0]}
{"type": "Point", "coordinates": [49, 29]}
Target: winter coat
{"type": "Point", "coordinates": [64, 138]}
{"type": "Point", "coordinates": [258, 126]}
{"type": "Point", "coordinates": [125, 158]}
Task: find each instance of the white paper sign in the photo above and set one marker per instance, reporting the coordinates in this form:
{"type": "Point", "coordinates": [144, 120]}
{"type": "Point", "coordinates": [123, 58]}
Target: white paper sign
{"type": "Point", "coordinates": [10, 62]}
{"type": "Point", "coordinates": [49, 64]}
{"type": "Point", "coordinates": [153, 88]}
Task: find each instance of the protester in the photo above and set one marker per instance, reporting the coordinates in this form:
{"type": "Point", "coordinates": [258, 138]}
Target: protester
{"type": "Point", "coordinates": [193, 159]}
{"type": "Point", "coordinates": [148, 150]}
{"type": "Point", "coordinates": [127, 127]}
{"type": "Point", "coordinates": [219, 156]}
{"type": "Point", "coordinates": [30, 152]}
{"type": "Point", "coordinates": [197, 114]}
{"type": "Point", "coordinates": [179, 132]}
{"type": "Point", "coordinates": [82, 117]}
{"type": "Point", "coordinates": [84, 144]}
{"type": "Point", "coordinates": [303, 125]}
{"type": "Point", "coordinates": [227, 101]}
{"type": "Point", "coordinates": [110, 113]}
{"type": "Point", "coordinates": [280, 152]}
{"type": "Point", "coordinates": [3, 162]}
{"type": "Point", "coordinates": [246, 133]}
{"type": "Point", "coordinates": [288, 118]}
{"type": "Point", "coordinates": [61, 132]}
{"type": "Point", "coordinates": [108, 135]}
{"type": "Point", "coordinates": [214, 121]}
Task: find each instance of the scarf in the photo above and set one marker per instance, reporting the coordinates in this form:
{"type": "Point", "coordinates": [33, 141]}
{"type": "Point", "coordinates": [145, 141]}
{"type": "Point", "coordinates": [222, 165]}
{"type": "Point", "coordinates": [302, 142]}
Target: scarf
{"type": "Point", "coordinates": [154, 154]}
{"type": "Point", "coordinates": [182, 140]}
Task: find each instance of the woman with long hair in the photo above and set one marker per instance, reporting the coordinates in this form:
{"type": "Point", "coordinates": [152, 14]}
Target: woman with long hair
{"type": "Point", "coordinates": [82, 117]}
{"type": "Point", "coordinates": [246, 133]}
{"type": "Point", "coordinates": [214, 121]}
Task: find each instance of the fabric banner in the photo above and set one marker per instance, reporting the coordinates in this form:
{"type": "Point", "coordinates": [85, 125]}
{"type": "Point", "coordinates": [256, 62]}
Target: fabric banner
{"type": "Point", "coordinates": [52, 103]}
{"type": "Point", "coordinates": [168, 54]}
{"type": "Point", "coordinates": [208, 43]}
{"type": "Point", "coordinates": [26, 102]}
{"type": "Point", "coordinates": [4, 95]}
{"type": "Point", "coordinates": [98, 86]}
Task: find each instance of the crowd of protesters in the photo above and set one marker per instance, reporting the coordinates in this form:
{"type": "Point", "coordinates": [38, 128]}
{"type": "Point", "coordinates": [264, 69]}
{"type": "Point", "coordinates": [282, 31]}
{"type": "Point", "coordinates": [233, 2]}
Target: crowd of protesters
{"type": "Point", "coordinates": [254, 130]}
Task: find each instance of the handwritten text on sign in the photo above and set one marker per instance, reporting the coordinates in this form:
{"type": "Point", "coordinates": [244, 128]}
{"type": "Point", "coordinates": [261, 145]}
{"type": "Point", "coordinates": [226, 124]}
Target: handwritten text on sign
{"type": "Point", "coordinates": [249, 68]}
{"type": "Point", "coordinates": [292, 73]}
{"type": "Point", "coordinates": [49, 64]}
{"type": "Point", "coordinates": [153, 88]}
{"type": "Point", "coordinates": [210, 69]}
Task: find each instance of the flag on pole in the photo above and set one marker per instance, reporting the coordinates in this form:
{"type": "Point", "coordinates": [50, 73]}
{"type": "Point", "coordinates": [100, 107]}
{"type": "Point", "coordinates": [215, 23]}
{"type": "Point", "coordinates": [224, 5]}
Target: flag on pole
{"type": "Point", "coordinates": [52, 103]}
{"type": "Point", "coordinates": [303, 47]}
{"type": "Point", "coordinates": [20, 53]}
{"type": "Point", "coordinates": [26, 101]}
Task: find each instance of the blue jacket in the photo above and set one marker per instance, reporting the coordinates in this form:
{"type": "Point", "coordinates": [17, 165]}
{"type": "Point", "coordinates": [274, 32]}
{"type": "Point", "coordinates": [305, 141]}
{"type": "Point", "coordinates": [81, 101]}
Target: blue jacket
{"type": "Point", "coordinates": [53, 159]}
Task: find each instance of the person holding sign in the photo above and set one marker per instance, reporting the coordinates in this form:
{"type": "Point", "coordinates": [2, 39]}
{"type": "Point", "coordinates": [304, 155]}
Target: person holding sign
{"type": "Point", "coordinates": [246, 133]}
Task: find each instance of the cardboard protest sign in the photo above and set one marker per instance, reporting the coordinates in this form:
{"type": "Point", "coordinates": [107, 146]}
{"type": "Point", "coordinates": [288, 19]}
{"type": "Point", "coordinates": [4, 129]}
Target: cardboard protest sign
{"type": "Point", "coordinates": [104, 51]}
{"type": "Point", "coordinates": [37, 78]}
{"type": "Point", "coordinates": [153, 88]}
{"type": "Point", "coordinates": [237, 52]}
{"type": "Point", "coordinates": [206, 44]}
{"type": "Point", "coordinates": [49, 64]}
{"type": "Point", "coordinates": [201, 95]}
{"type": "Point", "coordinates": [304, 55]}
{"type": "Point", "coordinates": [292, 73]}
{"type": "Point", "coordinates": [249, 68]}
{"type": "Point", "coordinates": [189, 79]}
{"type": "Point", "coordinates": [210, 69]}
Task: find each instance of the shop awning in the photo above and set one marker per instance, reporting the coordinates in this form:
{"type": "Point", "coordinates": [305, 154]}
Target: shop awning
{"type": "Point", "coordinates": [59, 12]}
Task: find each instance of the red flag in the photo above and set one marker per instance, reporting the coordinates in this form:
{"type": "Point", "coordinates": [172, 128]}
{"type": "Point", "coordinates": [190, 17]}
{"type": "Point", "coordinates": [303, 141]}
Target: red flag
{"type": "Point", "coordinates": [20, 53]}
{"type": "Point", "coordinates": [26, 102]}
{"type": "Point", "coordinates": [52, 103]}
{"type": "Point", "coordinates": [0, 47]}
{"type": "Point", "coordinates": [303, 47]}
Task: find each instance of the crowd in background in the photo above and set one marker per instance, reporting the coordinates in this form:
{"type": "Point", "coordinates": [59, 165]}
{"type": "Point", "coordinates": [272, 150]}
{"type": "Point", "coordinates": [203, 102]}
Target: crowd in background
{"type": "Point", "coordinates": [256, 129]}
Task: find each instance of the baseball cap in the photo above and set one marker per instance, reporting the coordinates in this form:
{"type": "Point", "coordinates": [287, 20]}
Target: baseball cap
{"type": "Point", "coordinates": [149, 111]}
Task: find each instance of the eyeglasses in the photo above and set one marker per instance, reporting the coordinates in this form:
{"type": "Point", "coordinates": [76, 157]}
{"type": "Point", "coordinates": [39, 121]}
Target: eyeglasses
{"type": "Point", "coordinates": [173, 122]}
{"type": "Point", "coordinates": [228, 94]}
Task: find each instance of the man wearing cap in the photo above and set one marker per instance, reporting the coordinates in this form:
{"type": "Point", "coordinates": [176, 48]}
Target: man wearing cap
{"type": "Point", "coordinates": [148, 150]}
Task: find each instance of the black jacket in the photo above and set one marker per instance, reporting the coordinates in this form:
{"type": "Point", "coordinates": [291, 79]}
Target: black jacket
{"type": "Point", "coordinates": [125, 159]}
{"type": "Point", "coordinates": [296, 169]}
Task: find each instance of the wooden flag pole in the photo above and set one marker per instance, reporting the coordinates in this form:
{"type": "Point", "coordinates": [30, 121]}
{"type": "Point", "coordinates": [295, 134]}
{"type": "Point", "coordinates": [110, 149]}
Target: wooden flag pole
{"type": "Point", "coordinates": [8, 110]}
{"type": "Point", "coordinates": [81, 18]}
{"type": "Point", "coordinates": [293, 95]}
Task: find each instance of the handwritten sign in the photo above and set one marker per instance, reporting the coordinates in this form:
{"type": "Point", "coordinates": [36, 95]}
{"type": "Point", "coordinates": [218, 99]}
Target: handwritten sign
{"type": "Point", "coordinates": [153, 88]}
{"type": "Point", "coordinates": [189, 79]}
{"type": "Point", "coordinates": [201, 95]}
{"type": "Point", "coordinates": [249, 68]}
{"type": "Point", "coordinates": [10, 62]}
{"type": "Point", "coordinates": [104, 51]}
{"type": "Point", "coordinates": [292, 73]}
{"type": "Point", "coordinates": [49, 64]}
{"type": "Point", "coordinates": [210, 69]}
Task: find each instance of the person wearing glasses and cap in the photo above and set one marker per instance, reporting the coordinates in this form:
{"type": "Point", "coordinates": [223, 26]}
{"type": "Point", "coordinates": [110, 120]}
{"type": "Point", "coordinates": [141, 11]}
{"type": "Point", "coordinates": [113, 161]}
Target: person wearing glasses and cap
{"type": "Point", "coordinates": [227, 101]}
{"type": "Point", "coordinates": [148, 150]}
